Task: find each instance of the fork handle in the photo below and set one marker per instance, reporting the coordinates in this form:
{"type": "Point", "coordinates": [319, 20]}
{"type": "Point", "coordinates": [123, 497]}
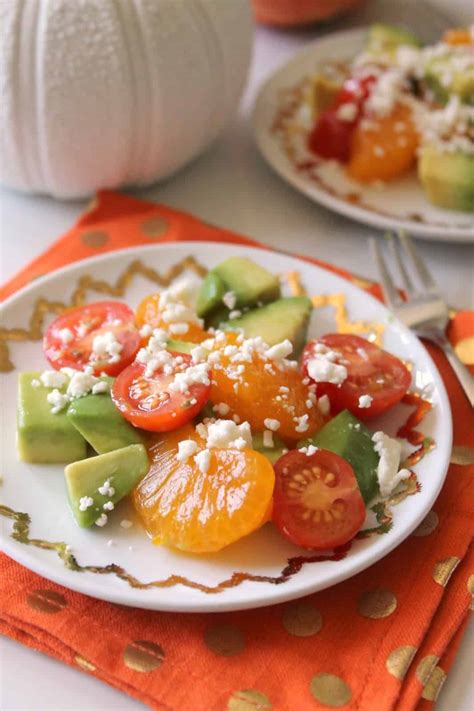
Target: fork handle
{"type": "Point", "coordinates": [462, 373]}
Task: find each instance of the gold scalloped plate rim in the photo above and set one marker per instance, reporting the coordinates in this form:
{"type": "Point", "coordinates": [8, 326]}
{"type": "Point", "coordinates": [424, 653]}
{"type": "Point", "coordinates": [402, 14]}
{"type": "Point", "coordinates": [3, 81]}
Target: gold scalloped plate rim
{"type": "Point", "coordinates": [85, 284]}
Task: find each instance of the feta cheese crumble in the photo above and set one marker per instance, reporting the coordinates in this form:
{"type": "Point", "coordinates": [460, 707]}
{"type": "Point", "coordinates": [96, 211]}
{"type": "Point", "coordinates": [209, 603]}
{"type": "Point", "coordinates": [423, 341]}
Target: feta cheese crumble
{"type": "Point", "coordinates": [58, 400]}
{"type": "Point", "coordinates": [301, 423]}
{"type": "Point", "coordinates": [325, 371]}
{"type": "Point", "coordinates": [186, 449]}
{"type": "Point", "coordinates": [280, 351]}
{"type": "Point", "coordinates": [105, 346]}
{"type": "Point", "coordinates": [102, 520]}
{"type": "Point", "coordinates": [309, 450]}
{"type": "Point", "coordinates": [229, 299]}
{"type": "Point", "coordinates": [125, 523]}
{"type": "Point", "coordinates": [324, 405]}
{"type": "Point", "coordinates": [203, 460]}
{"type": "Point", "coordinates": [268, 439]}
{"type": "Point", "coordinates": [85, 502]}
{"type": "Point", "coordinates": [365, 401]}
{"type": "Point", "coordinates": [271, 424]}
{"type": "Point", "coordinates": [65, 335]}
{"type": "Point", "coordinates": [388, 474]}
{"type": "Point", "coordinates": [53, 379]}
{"type": "Point", "coordinates": [106, 489]}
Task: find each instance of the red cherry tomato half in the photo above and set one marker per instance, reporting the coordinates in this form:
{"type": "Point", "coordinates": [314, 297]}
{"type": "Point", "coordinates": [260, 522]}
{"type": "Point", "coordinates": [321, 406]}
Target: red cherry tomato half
{"type": "Point", "coordinates": [331, 136]}
{"type": "Point", "coordinates": [148, 402]}
{"type": "Point", "coordinates": [316, 502]}
{"type": "Point", "coordinates": [370, 371]}
{"type": "Point", "coordinates": [69, 340]}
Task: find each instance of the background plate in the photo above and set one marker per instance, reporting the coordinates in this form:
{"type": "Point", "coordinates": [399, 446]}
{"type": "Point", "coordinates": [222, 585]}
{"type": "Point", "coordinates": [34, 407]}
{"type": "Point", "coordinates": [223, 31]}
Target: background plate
{"type": "Point", "coordinates": [391, 207]}
{"type": "Point", "coordinates": [40, 490]}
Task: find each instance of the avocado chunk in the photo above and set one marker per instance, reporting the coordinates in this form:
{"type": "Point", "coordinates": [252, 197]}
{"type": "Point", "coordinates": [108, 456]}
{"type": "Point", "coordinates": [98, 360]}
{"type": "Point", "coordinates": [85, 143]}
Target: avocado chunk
{"type": "Point", "coordinates": [180, 346]}
{"type": "Point", "coordinates": [385, 39]}
{"type": "Point", "coordinates": [249, 281]}
{"type": "Point", "coordinates": [447, 178]}
{"type": "Point", "coordinates": [44, 437]}
{"type": "Point", "coordinates": [284, 318]}
{"type": "Point", "coordinates": [443, 76]}
{"type": "Point", "coordinates": [122, 469]}
{"type": "Point", "coordinates": [101, 424]}
{"type": "Point", "coordinates": [346, 436]}
{"type": "Point", "coordinates": [210, 294]}
{"type": "Point", "coordinates": [271, 453]}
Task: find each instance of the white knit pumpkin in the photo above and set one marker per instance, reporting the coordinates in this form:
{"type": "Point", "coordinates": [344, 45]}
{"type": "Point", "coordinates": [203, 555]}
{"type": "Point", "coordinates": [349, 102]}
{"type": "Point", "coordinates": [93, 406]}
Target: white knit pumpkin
{"type": "Point", "coordinates": [101, 93]}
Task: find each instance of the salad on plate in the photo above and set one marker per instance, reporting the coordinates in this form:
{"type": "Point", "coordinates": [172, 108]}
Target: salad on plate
{"type": "Point", "coordinates": [395, 107]}
{"type": "Point", "coordinates": [211, 409]}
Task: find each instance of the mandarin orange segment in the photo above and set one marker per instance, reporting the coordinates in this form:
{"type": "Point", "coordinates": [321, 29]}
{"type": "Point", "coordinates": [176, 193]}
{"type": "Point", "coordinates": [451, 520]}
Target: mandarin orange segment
{"type": "Point", "coordinates": [149, 312]}
{"type": "Point", "coordinates": [262, 391]}
{"type": "Point", "coordinates": [198, 512]}
{"type": "Point", "coordinates": [384, 148]}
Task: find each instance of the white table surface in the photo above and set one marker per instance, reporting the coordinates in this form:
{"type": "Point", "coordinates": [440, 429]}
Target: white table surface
{"type": "Point", "coordinates": [230, 186]}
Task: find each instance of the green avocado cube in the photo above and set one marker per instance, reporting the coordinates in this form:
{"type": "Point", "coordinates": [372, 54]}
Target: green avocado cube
{"type": "Point", "coordinates": [275, 322]}
{"type": "Point", "coordinates": [346, 436]}
{"type": "Point", "coordinates": [210, 294]}
{"type": "Point", "coordinates": [387, 38]}
{"type": "Point", "coordinates": [96, 484]}
{"type": "Point", "coordinates": [447, 178]}
{"type": "Point", "coordinates": [44, 437]}
{"type": "Point", "coordinates": [101, 424]}
{"type": "Point", "coordinates": [249, 281]}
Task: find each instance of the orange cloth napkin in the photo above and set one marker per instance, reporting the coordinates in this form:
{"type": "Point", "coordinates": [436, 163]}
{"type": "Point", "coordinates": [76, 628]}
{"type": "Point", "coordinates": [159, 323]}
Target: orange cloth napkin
{"type": "Point", "coordinates": [384, 639]}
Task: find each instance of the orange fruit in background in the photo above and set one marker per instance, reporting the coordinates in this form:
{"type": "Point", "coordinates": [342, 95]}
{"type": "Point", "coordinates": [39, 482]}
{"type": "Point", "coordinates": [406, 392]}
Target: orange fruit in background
{"type": "Point", "coordinates": [195, 512]}
{"type": "Point", "coordinates": [299, 12]}
{"type": "Point", "coordinates": [149, 312]}
{"type": "Point", "coordinates": [386, 149]}
{"type": "Point", "coordinates": [259, 396]}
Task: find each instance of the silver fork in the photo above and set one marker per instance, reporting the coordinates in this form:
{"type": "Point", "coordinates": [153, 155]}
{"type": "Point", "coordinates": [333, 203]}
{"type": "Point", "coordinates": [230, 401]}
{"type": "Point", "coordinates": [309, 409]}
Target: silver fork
{"type": "Point", "coordinates": [424, 310]}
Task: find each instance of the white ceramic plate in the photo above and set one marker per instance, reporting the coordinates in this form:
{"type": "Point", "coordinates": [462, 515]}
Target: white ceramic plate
{"type": "Point", "coordinates": [39, 490]}
{"type": "Point", "coordinates": [400, 205]}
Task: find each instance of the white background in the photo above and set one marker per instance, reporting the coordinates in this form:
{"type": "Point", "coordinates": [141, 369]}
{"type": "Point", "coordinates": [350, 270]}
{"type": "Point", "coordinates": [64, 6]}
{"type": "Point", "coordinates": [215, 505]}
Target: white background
{"type": "Point", "coordinates": [230, 186]}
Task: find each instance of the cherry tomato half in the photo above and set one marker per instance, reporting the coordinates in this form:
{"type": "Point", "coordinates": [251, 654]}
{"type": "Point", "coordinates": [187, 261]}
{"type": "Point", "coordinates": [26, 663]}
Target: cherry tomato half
{"type": "Point", "coordinates": [331, 136]}
{"type": "Point", "coordinates": [69, 340]}
{"type": "Point", "coordinates": [317, 503]}
{"type": "Point", "coordinates": [148, 402]}
{"type": "Point", "coordinates": [370, 371]}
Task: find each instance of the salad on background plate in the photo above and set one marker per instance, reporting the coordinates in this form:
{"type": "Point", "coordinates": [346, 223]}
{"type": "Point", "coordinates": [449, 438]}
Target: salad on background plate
{"type": "Point", "coordinates": [379, 127]}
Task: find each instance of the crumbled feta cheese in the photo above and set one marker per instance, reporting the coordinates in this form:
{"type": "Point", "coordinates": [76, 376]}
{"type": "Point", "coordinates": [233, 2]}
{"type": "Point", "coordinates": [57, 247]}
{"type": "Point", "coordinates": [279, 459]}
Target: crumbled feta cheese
{"type": "Point", "coordinates": [35, 383]}
{"type": "Point", "coordinates": [268, 439]}
{"type": "Point", "coordinates": [365, 401]}
{"type": "Point", "coordinates": [324, 405]}
{"type": "Point", "coordinates": [194, 375]}
{"type": "Point", "coordinates": [58, 400]}
{"type": "Point", "coordinates": [108, 506]}
{"type": "Point", "coordinates": [235, 314]}
{"type": "Point", "coordinates": [81, 383]}
{"type": "Point", "coordinates": [203, 460]}
{"type": "Point", "coordinates": [85, 502]}
{"type": "Point", "coordinates": [271, 424]}
{"type": "Point", "coordinates": [179, 328]}
{"type": "Point", "coordinates": [347, 112]}
{"type": "Point", "coordinates": [82, 329]}
{"type": "Point", "coordinates": [105, 346]}
{"type": "Point", "coordinates": [125, 523]}
{"type": "Point", "coordinates": [186, 449]}
{"type": "Point", "coordinates": [309, 450]}
{"type": "Point", "coordinates": [280, 350]}
{"type": "Point", "coordinates": [65, 335]}
{"type": "Point", "coordinates": [226, 434]}
{"type": "Point", "coordinates": [229, 299]}
{"type": "Point", "coordinates": [326, 371]}
{"type": "Point", "coordinates": [221, 408]}
{"type": "Point", "coordinates": [302, 423]}
{"type": "Point", "coordinates": [53, 379]}
{"type": "Point", "coordinates": [199, 354]}
{"type": "Point", "coordinates": [309, 403]}
{"type": "Point", "coordinates": [146, 330]}
{"type": "Point", "coordinates": [102, 520]}
{"type": "Point", "coordinates": [388, 474]}
{"type": "Point", "coordinates": [101, 387]}
{"type": "Point", "coordinates": [106, 489]}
